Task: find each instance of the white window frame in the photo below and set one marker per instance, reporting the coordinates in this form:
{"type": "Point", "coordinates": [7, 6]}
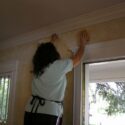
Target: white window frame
{"type": "Point", "coordinates": [10, 68]}
{"type": "Point", "coordinates": [110, 77]}
{"type": "Point", "coordinates": [102, 51]}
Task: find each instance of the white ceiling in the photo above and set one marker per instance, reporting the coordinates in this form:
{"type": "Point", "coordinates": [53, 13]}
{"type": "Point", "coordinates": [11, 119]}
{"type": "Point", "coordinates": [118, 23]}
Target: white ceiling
{"type": "Point", "coordinates": [22, 16]}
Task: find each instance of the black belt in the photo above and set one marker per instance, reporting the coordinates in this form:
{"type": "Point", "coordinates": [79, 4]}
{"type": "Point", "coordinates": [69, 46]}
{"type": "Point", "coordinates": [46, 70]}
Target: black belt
{"type": "Point", "coordinates": [41, 101]}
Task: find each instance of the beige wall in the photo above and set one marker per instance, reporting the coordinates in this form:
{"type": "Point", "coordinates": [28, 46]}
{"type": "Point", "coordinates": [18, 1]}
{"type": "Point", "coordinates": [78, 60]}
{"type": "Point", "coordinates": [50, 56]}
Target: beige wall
{"type": "Point", "coordinates": [110, 30]}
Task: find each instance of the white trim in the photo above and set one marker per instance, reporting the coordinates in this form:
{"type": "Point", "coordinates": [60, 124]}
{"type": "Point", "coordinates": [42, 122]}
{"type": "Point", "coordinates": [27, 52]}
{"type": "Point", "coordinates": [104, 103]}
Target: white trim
{"type": "Point", "coordinates": [8, 66]}
{"type": "Point", "coordinates": [11, 69]}
{"type": "Point", "coordinates": [86, 94]}
{"type": "Point", "coordinates": [77, 102]}
{"type": "Point", "coordinates": [104, 51]}
{"type": "Point", "coordinates": [95, 17]}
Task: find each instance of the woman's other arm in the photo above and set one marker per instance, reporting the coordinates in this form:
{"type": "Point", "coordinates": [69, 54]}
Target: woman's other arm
{"type": "Point", "coordinates": [84, 38]}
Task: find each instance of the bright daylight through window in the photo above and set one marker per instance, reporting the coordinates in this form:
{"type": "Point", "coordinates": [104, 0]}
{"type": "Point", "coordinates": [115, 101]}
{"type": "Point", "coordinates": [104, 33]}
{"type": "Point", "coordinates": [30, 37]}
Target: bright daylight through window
{"type": "Point", "coordinates": [107, 103]}
{"type": "Point", "coordinates": [4, 98]}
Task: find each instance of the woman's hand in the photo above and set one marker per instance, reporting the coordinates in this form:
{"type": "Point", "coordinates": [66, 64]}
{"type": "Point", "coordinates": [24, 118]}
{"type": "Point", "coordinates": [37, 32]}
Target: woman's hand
{"type": "Point", "coordinates": [84, 37]}
{"type": "Point", "coordinates": [54, 37]}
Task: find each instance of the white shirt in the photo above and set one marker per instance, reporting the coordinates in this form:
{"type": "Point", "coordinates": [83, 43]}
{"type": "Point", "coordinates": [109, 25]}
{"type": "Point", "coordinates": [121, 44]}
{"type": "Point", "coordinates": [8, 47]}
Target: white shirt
{"type": "Point", "coordinates": [51, 85]}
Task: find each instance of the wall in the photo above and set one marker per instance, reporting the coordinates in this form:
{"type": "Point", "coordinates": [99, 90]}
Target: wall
{"type": "Point", "coordinates": [110, 30]}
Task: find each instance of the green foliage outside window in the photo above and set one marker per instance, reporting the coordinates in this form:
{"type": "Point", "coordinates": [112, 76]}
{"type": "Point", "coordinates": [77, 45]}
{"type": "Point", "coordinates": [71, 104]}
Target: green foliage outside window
{"type": "Point", "coordinates": [114, 95]}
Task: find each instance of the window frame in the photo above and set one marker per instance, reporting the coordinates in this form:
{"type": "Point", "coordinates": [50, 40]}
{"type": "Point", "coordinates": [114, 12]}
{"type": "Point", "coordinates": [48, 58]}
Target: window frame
{"type": "Point", "coordinates": [101, 77]}
{"type": "Point", "coordinates": [10, 76]}
{"type": "Point", "coordinates": [102, 51]}
{"type": "Point", "coordinates": [10, 68]}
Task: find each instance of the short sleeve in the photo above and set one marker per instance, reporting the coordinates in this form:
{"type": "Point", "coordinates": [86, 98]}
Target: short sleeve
{"type": "Point", "coordinates": [65, 66]}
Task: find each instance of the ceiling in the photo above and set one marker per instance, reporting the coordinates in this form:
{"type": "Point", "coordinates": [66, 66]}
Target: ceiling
{"type": "Point", "coordinates": [22, 16]}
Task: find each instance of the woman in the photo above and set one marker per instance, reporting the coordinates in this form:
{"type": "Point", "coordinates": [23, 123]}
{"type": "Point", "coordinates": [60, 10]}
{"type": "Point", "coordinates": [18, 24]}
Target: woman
{"type": "Point", "coordinates": [48, 86]}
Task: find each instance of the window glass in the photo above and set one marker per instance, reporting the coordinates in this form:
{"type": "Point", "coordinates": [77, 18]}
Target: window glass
{"type": "Point", "coordinates": [105, 93]}
{"type": "Point", "coordinates": [4, 97]}
{"type": "Point", "coordinates": [107, 103]}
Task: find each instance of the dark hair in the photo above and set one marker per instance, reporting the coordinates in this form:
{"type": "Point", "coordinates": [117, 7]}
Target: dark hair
{"type": "Point", "coordinates": [45, 54]}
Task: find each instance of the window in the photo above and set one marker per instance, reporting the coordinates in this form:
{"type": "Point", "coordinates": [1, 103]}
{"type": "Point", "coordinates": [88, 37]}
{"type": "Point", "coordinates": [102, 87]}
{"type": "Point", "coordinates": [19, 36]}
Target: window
{"type": "Point", "coordinates": [96, 52]}
{"type": "Point", "coordinates": [4, 97]}
{"type": "Point", "coordinates": [105, 93]}
{"type": "Point", "coordinates": [106, 103]}
{"type": "Point", "coordinates": [7, 92]}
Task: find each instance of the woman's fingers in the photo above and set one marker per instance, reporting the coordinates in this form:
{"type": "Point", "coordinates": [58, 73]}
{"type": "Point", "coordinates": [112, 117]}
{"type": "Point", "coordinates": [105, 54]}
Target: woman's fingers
{"type": "Point", "coordinates": [54, 37]}
{"type": "Point", "coordinates": [84, 37]}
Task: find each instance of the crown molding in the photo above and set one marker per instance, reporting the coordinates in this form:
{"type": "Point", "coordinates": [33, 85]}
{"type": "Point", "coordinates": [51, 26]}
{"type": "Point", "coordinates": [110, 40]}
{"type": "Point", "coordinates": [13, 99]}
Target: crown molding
{"type": "Point", "coordinates": [95, 17]}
